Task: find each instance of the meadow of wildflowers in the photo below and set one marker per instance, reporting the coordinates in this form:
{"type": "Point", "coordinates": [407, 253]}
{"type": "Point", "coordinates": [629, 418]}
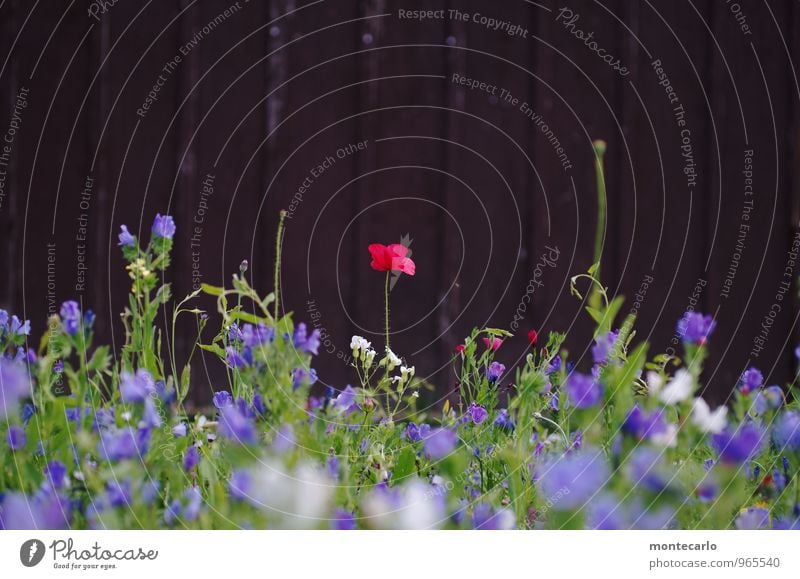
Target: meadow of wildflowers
{"type": "Point", "coordinates": [626, 443]}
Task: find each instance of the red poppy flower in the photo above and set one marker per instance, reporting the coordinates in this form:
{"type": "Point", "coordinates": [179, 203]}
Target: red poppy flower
{"type": "Point", "coordinates": [391, 258]}
{"type": "Point", "coordinates": [533, 337]}
{"type": "Point", "coordinates": [493, 343]}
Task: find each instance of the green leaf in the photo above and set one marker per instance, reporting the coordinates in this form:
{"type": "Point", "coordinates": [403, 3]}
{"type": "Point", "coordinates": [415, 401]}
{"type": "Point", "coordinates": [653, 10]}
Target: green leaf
{"type": "Point", "coordinates": [211, 290]}
{"type": "Point", "coordinates": [405, 465]}
{"type": "Point", "coordinates": [213, 348]}
{"type": "Point", "coordinates": [184, 385]}
{"type": "Point", "coordinates": [162, 295]}
{"type": "Point", "coordinates": [497, 332]}
{"type": "Point", "coordinates": [100, 360]}
{"type": "Point", "coordinates": [596, 314]}
{"type": "Point", "coordinates": [246, 317]}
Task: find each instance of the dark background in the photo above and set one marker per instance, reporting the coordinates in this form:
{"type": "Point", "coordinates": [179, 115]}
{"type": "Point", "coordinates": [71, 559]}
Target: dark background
{"type": "Point", "coordinates": [278, 86]}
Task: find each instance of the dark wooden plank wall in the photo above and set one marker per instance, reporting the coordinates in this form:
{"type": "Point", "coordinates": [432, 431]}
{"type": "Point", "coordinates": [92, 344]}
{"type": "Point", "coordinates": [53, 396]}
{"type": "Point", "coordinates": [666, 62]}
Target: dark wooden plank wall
{"type": "Point", "coordinates": [280, 86]}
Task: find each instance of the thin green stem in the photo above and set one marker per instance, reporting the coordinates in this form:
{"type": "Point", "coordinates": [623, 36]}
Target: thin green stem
{"type": "Point", "coordinates": [386, 301]}
{"type": "Point", "coordinates": [278, 250]}
{"type": "Point", "coordinates": [599, 234]}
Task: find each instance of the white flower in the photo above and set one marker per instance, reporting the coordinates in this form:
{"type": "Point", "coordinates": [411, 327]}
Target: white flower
{"type": "Point", "coordinates": [505, 520]}
{"type": "Point", "coordinates": [668, 438]}
{"type": "Point", "coordinates": [359, 345]}
{"type": "Point", "coordinates": [708, 421]}
{"type": "Point", "coordinates": [406, 373]}
{"type": "Point", "coordinates": [369, 357]}
{"type": "Point", "coordinates": [298, 497]}
{"type": "Point", "coordinates": [654, 382]}
{"type": "Point", "coordinates": [678, 389]}
{"type": "Point", "coordinates": [414, 505]}
{"type": "Point", "coordinates": [391, 360]}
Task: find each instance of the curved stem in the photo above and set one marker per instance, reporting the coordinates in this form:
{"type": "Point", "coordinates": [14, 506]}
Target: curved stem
{"type": "Point", "coordinates": [278, 250]}
{"type": "Point", "coordinates": [538, 416]}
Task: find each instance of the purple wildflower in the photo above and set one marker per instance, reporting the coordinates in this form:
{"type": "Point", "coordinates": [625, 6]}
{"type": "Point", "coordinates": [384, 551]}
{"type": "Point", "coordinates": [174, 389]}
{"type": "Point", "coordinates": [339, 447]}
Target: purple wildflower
{"type": "Point", "coordinates": [191, 459]}
{"type": "Point", "coordinates": [16, 437]}
{"type": "Point", "coordinates": [774, 396]}
{"type": "Point", "coordinates": [605, 513]}
{"type": "Point", "coordinates": [20, 328]}
{"type": "Point", "coordinates": [332, 466]}
{"type": "Point", "coordinates": [149, 492]}
{"type": "Point", "coordinates": [646, 468]}
{"type": "Point", "coordinates": [234, 333]}
{"type": "Point", "coordinates": [56, 474]}
{"type": "Point", "coordinates": [494, 371]}
{"type": "Point", "coordinates": [753, 518]}
{"type": "Point", "coordinates": [254, 336]}
{"type": "Point", "coordinates": [44, 510]}
{"type": "Point", "coordinates": [71, 317]}
{"type": "Point", "coordinates": [163, 226]}
{"type": "Point", "coordinates": [642, 425]}
{"type": "Point", "coordinates": [136, 387]}
{"type": "Point", "coordinates": [604, 346]}
{"type": "Point", "coordinates": [751, 380]}
{"type": "Point", "coordinates": [122, 444]}
{"type": "Point", "coordinates": [569, 481]}
{"type": "Point", "coordinates": [125, 238]}
{"type": "Point", "coordinates": [235, 358]}
{"type": "Point", "coordinates": [503, 420]}
{"type": "Point", "coordinates": [786, 431]}
{"type": "Point", "coordinates": [239, 484]}
{"type": "Point", "coordinates": [28, 410]}
{"type": "Point", "coordinates": [304, 342]}
{"type": "Point", "coordinates": [416, 433]}
{"type": "Point", "coordinates": [234, 426]}
{"type": "Point", "coordinates": [696, 328]}
{"type": "Point", "coordinates": [739, 445]}
{"type": "Point", "coordinates": [345, 401]}
{"type": "Point", "coordinates": [485, 518]}
{"type": "Point", "coordinates": [343, 520]}
{"type": "Point", "coordinates": [583, 391]}
{"type": "Point", "coordinates": [151, 418]}
{"type": "Point", "coordinates": [15, 384]}
{"type": "Point", "coordinates": [477, 413]}
{"type": "Point", "coordinates": [648, 517]}
{"type": "Point", "coordinates": [553, 366]}
{"type": "Point", "coordinates": [194, 501]}
{"type": "Point", "coordinates": [708, 488]}
{"type": "Point", "coordinates": [303, 377]}
{"type": "Point", "coordinates": [285, 439]}
{"type": "Point", "coordinates": [440, 442]}
{"type": "Point", "coordinates": [103, 418]}
{"type": "Point", "coordinates": [222, 399]}
{"type": "Point", "coordinates": [118, 492]}
{"type": "Point", "coordinates": [258, 404]}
